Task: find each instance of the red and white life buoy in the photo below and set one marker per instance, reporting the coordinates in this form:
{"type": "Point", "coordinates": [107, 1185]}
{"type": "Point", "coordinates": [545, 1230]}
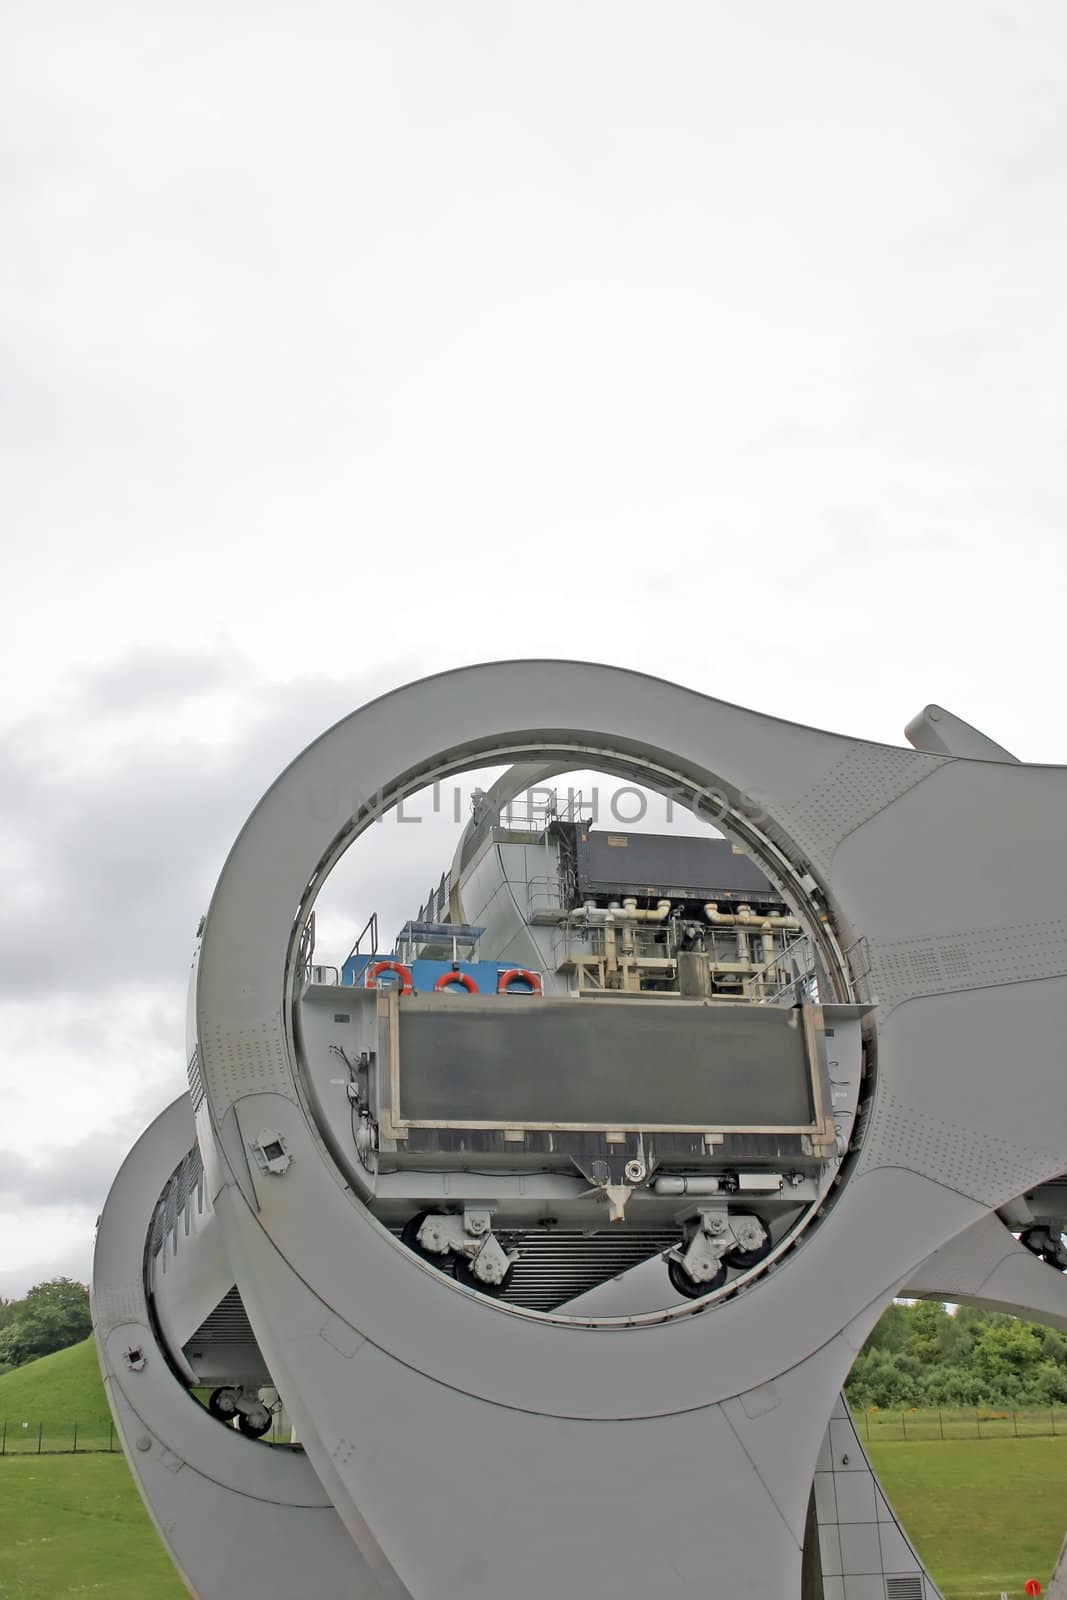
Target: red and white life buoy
{"type": "Point", "coordinates": [519, 975]}
{"type": "Point", "coordinates": [377, 967]}
{"type": "Point", "coordinates": [464, 979]}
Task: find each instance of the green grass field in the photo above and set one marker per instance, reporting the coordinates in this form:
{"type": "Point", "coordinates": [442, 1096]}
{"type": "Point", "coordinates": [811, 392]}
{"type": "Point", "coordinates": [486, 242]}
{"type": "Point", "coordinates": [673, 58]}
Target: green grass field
{"type": "Point", "coordinates": [985, 1517]}
{"type": "Point", "coordinates": [55, 1393]}
{"type": "Point", "coordinates": [985, 1514]}
{"type": "Point", "coordinates": [75, 1525]}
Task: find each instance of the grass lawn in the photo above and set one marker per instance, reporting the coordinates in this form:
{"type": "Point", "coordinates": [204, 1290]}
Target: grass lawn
{"type": "Point", "coordinates": [58, 1391]}
{"type": "Point", "coordinates": [75, 1525]}
{"type": "Point", "coordinates": [984, 1515]}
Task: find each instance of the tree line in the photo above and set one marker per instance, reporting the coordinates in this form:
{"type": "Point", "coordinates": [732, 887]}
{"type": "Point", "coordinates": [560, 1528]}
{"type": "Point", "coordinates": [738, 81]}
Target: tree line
{"type": "Point", "coordinates": [50, 1317]}
{"type": "Point", "coordinates": [925, 1355]}
{"type": "Point", "coordinates": [917, 1355]}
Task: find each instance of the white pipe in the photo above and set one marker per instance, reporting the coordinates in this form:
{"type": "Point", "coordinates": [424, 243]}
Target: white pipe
{"type": "Point", "coordinates": [686, 1186]}
{"type": "Point", "coordinates": [610, 954]}
{"type": "Point", "coordinates": [628, 911]}
{"type": "Point", "coordinates": [660, 914]}
{"type": "Point", "coordinates": [744, 916]}
{"type": "Point", "coordinates": [748, 1183]}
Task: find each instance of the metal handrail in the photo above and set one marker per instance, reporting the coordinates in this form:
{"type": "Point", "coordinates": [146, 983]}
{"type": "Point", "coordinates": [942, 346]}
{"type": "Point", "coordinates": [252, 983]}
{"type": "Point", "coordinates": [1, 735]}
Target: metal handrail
{"type": "Point", "coordinates": [540, 813]}
{"type": "Point", "coordinates": [371, 924]}
{"type": "Point", "coordinates": [806, 974]}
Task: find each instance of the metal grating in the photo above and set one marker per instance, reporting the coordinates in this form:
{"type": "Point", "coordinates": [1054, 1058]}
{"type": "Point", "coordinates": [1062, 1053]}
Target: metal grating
{"type": "Point", "coordinates": [908, 1588]}
{"type": "Point", "coordinates": [196, 1082]}
{"type": "Point", "coordinates": [182, 1182]}
{"type": "Point", "coordinates": [555, 1266]}
{"type": "Point", "coordinates": [227, 1324]}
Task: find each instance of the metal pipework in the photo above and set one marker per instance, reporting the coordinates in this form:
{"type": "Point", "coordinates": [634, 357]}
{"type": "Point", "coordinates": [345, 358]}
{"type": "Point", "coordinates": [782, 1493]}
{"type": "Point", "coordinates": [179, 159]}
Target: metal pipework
{"type": "Point", "coordinates": [628, 911]}
{"type": "Point", "coordinates": [659, 914]}
{"type": "Point", "coordinates": [744, 916]}
{"type": "Point", "coordinates": [748, 1183]}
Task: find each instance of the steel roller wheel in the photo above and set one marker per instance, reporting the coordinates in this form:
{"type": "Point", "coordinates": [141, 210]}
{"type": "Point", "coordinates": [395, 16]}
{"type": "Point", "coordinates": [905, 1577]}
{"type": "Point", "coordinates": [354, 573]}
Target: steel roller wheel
{"type": "Point", "coordinates": [740, 1260]}
{"type": "Point", "coordinates": [410, 1236]}
{"type": "Point", "coordinates": [684, 1284]}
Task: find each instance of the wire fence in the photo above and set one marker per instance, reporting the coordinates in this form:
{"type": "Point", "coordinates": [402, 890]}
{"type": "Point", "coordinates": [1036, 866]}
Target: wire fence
{"type": "Point", "coordinates": [19, 1438]}
{"type": "Point", "coordinates": [946, 1422]}
{"type": "Point", "coordinates": [97, 1436]}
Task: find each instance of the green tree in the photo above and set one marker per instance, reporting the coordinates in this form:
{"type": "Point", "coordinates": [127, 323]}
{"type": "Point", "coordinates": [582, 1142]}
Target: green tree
{"type": "Point", "coordinates": [891, 1329]}
{"type": "Point", "coordinates": [926, 1338]}
{"type": "Point", "coordinates": [923, 1355]}
{"type": "Point", "coordinates": [1006, 1357]}
{"type": "Point", "coordinates": [52, 1316]}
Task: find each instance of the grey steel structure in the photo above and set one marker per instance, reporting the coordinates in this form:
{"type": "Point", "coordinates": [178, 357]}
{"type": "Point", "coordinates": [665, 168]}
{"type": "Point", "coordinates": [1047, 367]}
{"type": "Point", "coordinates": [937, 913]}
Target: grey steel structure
{"type": "Point", "coordinates": [724, 1160]}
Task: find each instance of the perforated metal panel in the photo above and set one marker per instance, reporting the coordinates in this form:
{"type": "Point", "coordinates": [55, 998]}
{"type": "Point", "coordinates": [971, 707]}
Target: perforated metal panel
{"type": "Point", "coordinates": [967, 960]}
{"type": "Point", "coordinates": [249, 1061]}
{"type": "Point", "coordinates": [975, 1164]}
{"type": "Point", "coordinates": [866, 780]}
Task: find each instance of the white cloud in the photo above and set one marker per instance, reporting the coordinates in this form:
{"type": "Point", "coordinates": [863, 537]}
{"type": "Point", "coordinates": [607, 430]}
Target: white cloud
{"type": "Point", "coordinates": [345, 346]}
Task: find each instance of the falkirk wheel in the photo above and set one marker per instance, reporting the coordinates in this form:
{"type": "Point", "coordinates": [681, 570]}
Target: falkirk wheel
{"type": "Point", "coordinates": [553, 1231]}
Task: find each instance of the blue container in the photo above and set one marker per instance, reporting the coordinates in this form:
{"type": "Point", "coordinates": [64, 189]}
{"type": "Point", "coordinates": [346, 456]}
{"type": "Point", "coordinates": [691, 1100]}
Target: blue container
{"type": "Point", "coordinates": [426, 974]}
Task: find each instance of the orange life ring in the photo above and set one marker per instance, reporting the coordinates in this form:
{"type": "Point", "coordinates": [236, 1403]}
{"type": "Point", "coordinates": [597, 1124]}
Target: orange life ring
{"type": "Point", "coordinates": [463, 978]}
{"type": "Point", "coordinates": [514, 975]}
{"type": "Point", "coordinates": [404, 973]}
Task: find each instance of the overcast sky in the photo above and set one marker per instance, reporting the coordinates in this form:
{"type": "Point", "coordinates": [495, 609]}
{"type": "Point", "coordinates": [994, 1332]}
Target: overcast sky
{"type": "Point", "coordinates": [341, 343]}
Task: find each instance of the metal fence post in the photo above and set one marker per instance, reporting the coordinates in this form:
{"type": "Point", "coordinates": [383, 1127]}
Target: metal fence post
{"type": "Point", "coordinates": [903, 1425]}
{"type": "Point", "coordinates": [111, 1434]}
{"type": "Point", "coordinates": [867, 1423]}
{"type": "Point", "coordinates": [40, 1430]}
{"type": "Point", "coordinates": [3, 1440]}
{"type": "Point", "coordinates": [75, 1451]}
{"type": "Point", "coordinates": [978, 1423]}
{"type": "Point", "coordinates": [1052, 1414]}
{"type": "Point", "coordinates": [1015, 1422]}
{"type": "Point", "coordinates": [940, 1422]}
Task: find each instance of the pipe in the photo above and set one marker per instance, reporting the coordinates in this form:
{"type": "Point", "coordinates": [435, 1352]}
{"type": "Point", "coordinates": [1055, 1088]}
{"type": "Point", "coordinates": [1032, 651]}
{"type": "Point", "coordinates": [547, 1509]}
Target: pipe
{"type": "Point", "coordinates": [660, 914]}
{"type": "Point", "coordinates": [748, 1183]}
{"type": "Point", "coordinates": [627, 912]}
{"type": "Point", "coordinates": [744, 916]}
{"type": "Point", "coordinates": [686, 1186]}
{"type": "Point", "coordinates": [611, 958]}
{"type": "Point", "coordinates": [605, 919]}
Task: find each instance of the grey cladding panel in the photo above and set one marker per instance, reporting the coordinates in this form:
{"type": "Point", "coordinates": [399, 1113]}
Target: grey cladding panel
{"type": "Point", "coordinates": [605, 1064]}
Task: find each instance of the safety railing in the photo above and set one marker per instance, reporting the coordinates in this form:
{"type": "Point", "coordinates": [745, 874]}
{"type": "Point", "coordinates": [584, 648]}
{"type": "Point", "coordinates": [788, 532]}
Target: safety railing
{"type": "Point", "coordinates": [791, 975]}
{"type": "Point", "coordinates": [319, 974]}
{"type": "Point", "coordinates": [528, 815]}
{"type": "Point", "coordinates": [370, 933]}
